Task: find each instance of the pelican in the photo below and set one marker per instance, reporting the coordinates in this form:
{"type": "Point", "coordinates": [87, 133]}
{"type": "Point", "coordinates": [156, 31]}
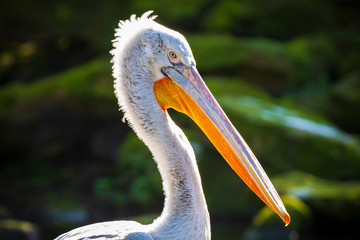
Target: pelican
{"type": "Point", "coordinates": [154, 69]}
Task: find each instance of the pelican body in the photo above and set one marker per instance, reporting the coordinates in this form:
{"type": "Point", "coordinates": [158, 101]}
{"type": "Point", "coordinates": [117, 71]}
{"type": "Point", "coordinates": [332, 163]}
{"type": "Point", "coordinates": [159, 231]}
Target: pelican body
{"type": "Point", "coordinates": [154, 69]}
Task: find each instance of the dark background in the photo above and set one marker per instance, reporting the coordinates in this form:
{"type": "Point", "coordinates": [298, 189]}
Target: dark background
{"type": "Point", "coordinates": [286, 72]}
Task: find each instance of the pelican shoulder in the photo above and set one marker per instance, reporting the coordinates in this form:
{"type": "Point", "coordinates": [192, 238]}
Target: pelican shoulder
{"type": "Point", "coordinates": [114, 230]}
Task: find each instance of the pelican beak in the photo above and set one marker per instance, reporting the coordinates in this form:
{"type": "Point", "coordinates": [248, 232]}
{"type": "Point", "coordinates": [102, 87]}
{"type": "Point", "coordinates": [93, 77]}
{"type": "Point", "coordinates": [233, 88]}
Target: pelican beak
{"type": "Point", "coordinates": [185, 91]}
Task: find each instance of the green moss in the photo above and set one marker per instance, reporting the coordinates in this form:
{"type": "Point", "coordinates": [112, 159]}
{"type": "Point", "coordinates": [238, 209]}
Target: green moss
{"type": "Point", "coordinates": [328, 196]}
{"type": "Point", "coordinates": [17, 225]}
{"type": "Point", "coordinates": [89, 80]}
{"type": "Point", "coordinates": [307, 186]}
{"type": "Point", "coordinates": [276, 66]}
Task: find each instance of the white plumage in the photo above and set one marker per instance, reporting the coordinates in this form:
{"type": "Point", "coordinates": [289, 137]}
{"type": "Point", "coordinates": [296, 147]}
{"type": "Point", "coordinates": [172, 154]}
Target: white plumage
{"type": "Point", "coordinates": [144, 52]}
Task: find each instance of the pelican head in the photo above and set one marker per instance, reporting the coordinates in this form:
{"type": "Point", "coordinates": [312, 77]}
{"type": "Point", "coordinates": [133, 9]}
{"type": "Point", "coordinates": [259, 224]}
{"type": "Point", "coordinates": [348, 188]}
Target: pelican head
{"type": "Point", "coordinates": [143, 49]}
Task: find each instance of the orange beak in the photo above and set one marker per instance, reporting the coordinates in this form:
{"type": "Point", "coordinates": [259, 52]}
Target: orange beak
{"type": "Point", "coordinates": [185, 91]}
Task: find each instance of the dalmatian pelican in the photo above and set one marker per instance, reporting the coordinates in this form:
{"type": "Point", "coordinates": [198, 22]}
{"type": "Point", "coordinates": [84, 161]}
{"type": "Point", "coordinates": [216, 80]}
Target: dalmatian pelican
{"type": "Point", "coordinates": [154, 69]}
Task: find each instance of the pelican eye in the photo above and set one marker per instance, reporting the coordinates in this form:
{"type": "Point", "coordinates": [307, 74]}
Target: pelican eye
{"type": "Point", "coordinates": [172, 55]}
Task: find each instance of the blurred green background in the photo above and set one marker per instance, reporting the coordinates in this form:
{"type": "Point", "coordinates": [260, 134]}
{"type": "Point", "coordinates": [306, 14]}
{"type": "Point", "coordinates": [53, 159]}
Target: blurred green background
{"type": "Point", "coordinates": [286, 72]}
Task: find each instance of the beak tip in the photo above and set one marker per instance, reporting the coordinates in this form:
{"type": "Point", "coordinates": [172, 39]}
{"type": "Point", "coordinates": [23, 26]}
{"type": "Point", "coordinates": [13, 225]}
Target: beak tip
{"type": "Point", "coordinates": [286, 218]}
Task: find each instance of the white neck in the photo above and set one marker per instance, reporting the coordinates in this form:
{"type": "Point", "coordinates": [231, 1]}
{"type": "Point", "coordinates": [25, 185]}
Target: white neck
{"type": "Point", "coordinates": [185, 214]}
